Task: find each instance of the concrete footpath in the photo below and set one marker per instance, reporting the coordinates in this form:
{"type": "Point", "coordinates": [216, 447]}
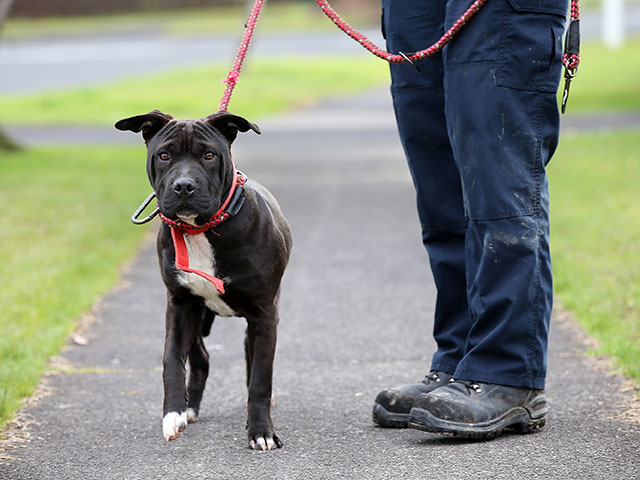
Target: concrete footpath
{"type": "Point", "coordinates": [356, 308]}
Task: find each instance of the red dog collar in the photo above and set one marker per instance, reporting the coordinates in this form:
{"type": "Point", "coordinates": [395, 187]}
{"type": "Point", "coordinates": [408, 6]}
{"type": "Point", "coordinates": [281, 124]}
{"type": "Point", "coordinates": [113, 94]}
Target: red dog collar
{"type": "Point", "coordinates": [179, 228]}
{"type": "Point", "coordinates": [239, 179]}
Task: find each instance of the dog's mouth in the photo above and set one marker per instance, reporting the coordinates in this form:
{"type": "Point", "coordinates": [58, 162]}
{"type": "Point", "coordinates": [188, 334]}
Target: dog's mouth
{"type": "Point", "coordinates": [188, 216]}
{"type": "Point", "coordinates": [195, 209]}
{"type": "Point", "coordinates": [187, 212]}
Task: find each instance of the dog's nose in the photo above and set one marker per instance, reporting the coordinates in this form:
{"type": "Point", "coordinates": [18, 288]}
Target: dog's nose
{"type": "Point", "coordinates": [184, 186]}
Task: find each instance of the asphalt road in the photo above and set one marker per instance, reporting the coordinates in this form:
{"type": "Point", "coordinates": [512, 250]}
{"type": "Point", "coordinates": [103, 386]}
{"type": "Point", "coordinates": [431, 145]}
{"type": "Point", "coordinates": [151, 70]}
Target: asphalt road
{"type": "Point", "coordinates": [356, 310]}
{"type": "Point", "coordinates": [40, 64]}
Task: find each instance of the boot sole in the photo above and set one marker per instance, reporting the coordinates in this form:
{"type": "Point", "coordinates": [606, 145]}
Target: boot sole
{"type": "Point", "coordinates": [384, 418]}
{"type": "Point", "coordinates": [517, 418]}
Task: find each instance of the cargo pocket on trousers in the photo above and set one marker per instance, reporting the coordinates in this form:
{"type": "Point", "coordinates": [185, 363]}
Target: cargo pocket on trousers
{"type": "Point", "coordinates": [531, 45]}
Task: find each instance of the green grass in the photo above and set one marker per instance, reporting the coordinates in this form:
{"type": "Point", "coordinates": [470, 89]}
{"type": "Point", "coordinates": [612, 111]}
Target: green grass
{"type": "Point", "coordinates": [596, 5]}
{"type": "Point", "coordinates": [608, 80]}
{"type": "Point", "coordinates": [298, 16]}
{"type": "Point", "coordinates": [595, 239]}
{"type": "Point", "coordinates": [264, 87]}
{"type": "Point", "coordinates": [65, 234]}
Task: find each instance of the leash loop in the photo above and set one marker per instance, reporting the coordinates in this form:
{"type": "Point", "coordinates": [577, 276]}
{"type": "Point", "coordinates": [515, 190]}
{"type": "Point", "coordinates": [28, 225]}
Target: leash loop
{"type": "Point", "coordinates": [145, 204]}
{"type": "Point", "coordinates": [571, 55]}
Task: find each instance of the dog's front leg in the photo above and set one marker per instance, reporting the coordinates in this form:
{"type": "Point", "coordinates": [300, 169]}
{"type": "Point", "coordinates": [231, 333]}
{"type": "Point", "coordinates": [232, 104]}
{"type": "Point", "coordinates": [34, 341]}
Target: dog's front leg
{"type": "Point", "coordinates": [182, 324]}
{"type": "Point", "coordinates": [261, 337]}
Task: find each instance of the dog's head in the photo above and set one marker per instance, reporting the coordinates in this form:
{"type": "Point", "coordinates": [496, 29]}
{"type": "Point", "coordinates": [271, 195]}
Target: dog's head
{"type": "Point", "coordinates": [189, 161]}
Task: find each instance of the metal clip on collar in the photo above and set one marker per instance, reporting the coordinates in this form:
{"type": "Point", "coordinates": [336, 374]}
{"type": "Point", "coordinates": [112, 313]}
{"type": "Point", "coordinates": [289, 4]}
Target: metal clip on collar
{"type": "Point", "coordinates": [145, 204]}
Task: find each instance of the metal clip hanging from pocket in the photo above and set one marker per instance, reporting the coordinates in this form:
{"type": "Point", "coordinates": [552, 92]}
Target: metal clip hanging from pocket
{"type": "Point", "coordinates": [570, 58]}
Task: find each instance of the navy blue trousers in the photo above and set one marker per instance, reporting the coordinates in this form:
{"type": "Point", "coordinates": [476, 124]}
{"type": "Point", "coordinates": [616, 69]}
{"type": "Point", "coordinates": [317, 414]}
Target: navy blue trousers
{"type": "Point", "coordinates": [478, 124]}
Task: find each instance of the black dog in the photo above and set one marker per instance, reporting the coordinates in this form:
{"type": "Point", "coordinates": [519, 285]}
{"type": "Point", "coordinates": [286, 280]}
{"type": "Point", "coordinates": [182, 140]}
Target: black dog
{"type": "Point", "coordinates": [197, 186]}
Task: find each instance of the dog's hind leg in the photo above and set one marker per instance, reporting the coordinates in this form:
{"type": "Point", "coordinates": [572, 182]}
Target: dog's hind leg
{"type": "Point", "coordinates": [261, 339]}
{"type": "Point", "coordinates": [249, 340]}
{"type": "Point", "coordinates": [198, 373]}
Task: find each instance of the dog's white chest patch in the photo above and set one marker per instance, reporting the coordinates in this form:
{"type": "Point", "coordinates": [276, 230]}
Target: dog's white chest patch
{"type": "Point", "coordinates": [201, 258]}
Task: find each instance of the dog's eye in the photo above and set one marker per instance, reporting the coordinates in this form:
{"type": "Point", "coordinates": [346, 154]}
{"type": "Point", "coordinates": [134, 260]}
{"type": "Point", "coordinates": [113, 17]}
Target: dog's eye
{"type": "Point", "coordinates": [164, 156]}
{"type": "Point", "coordinates": [209, 156]}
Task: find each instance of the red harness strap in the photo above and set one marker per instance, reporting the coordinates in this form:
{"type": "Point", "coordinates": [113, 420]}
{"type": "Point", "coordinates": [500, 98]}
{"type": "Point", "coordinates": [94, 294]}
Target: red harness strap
{"type": "Point", "coordinates": [179, 228]}
{"type": "Point", "coordinates": [182, 259]}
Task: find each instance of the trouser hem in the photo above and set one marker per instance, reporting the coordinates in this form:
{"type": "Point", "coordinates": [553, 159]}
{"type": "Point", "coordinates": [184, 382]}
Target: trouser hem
{"type": "Point", "coordinates": [444, 367]}
{"type": "Point", "coordinates": [526, 381]}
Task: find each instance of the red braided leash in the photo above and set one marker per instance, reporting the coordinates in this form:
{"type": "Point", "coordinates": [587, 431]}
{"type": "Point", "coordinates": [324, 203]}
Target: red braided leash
{"type": "Point", "coordinates": [232, 77]}
{"type": "Point", "coordinates": [570, 58]}
{"type": "Point", "coordinates": [571, 55]}
{"type": "Point", "coordinates": [401, 58]}
{"type": "Point", "coordinates": [571, 61]}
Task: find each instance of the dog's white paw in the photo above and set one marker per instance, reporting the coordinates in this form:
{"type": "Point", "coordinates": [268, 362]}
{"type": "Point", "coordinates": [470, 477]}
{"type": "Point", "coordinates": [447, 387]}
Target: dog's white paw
{"type": "Point", "coordinates": [265, 443]}
{"type": "Point", "coordinates": [192, 416]}
{"type": "Point", "coordinates": [173, 424]}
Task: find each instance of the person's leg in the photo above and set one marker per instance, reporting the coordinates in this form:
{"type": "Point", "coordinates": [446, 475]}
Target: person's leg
{"type": "Point", "coordinates": [503, 123]}
{"type": "Point", "coordinates": [501, 76]}
{"type": "Point", "coordinates": [418, 99]}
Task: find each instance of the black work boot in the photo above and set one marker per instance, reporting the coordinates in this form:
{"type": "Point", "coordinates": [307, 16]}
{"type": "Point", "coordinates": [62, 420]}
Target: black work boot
{"type": "Point", "coordinates": [393, 405]}
{"type": "Point", "coordinates": [479, 410]}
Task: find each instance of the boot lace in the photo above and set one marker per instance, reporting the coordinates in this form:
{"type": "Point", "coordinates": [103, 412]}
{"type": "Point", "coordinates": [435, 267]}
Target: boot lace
{"type": "Point", "coordinates": [470, 386]}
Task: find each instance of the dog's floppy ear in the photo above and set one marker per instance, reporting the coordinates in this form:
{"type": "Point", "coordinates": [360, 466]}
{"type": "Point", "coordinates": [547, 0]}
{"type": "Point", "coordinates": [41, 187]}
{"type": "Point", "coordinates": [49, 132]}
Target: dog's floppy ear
{"type": "Point", "coordinates": [149, 123]}
{"type": "Point", "coordinates": [229, 124]}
